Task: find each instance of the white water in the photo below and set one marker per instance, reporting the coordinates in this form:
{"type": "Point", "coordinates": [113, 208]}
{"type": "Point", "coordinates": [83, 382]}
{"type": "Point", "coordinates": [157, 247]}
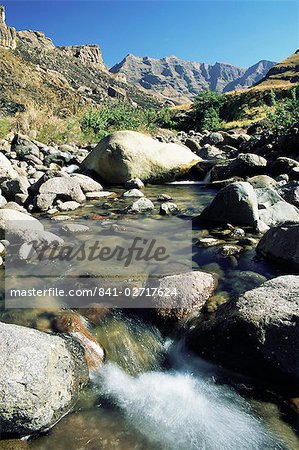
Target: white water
{"type": "Point", "coordinates": [180, 412]}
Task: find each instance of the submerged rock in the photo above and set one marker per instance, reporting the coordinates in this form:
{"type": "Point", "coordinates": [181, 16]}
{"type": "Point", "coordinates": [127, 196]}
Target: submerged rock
{"type": "Point", "coordinates": [40, 378]}
{"type": "Point", "coordinates": [257, 334]}
{"type": "Point", "coordinates": [125, 155]}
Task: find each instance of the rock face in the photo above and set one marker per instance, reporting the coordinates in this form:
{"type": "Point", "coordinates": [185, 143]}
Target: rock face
{"type": "Point", "coordinates": [181, 80]}
{"type": "Point", "coordinates": [257, 334]}
{"type": "Point", "coordinates": [8, 37]}
{"type": "Point", "coordinates": [127, 154]}
{"type": "Point", "coordinates": [281, 245]}
{"type": "Point", "coordinates": [235, 204]}
{"type": "Point", "coordinates": [86, 54]}
{"type": "Point", "coordinates": [40, 378]}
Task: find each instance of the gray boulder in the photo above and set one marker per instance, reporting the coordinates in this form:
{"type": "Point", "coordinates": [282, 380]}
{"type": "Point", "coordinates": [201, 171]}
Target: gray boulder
{"type": "Point", "coordinates": [245, 164]}
{"type": "Point", "coordinates": [124, 155]}
{"type": "Point", "coordinates": [86, 183]}
{"type": "Point", "coordinates": [58, 187]}
{"type": "Point", "coordinates": [40, 378]}
{"type": "Point", "coordinates": [142, 205]}
{"type": "Point", "coordinates": [257, 334]}
{"type": "Point", "coordinates": [168, 208]}
{"type": "Point", "coordinates": [17, 222]}
{"type": "Point", "coordinates": [281, 245]}
{"type": "Point", "coordinates": [235, 204]}
{"type": "Point", "coordinates": [283, 165]}
{"type": "Point", "coordinates": [279, 213]}
{"type": "Point", "coordinates": [133, 193]}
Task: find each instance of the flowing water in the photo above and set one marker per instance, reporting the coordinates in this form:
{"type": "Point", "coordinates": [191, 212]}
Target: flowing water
{"type": "Point", "coordinates": [153, 395]}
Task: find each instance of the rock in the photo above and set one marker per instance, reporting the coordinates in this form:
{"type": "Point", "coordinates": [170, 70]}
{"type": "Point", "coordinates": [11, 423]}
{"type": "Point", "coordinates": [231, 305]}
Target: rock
{"type": "Point", "coordinates": [8, 35]}
{"type": "Point", "coordinates": [262, 181]}
{"type": "Point", "coordinates": [292, 196]}
{"type": "Point", "coordinates": [245, 164]}
{"type": "Point", "coordinates": [68, 206]}
{"type": "Point", "coordinates": [43, 202]}
{"type": "Point", "coordinates": [215, 138]}
{"type": "Point", "coordinates": [124, 155]}
{"type": "Point", "coordinates": [229, 250]}
{"type": "Point", "coordinates": [16, 207]}
{"type": "Point", "coordinates": [164, 198]}
{"type": "Point", "coordinates": [283, 165]}
{"type": "Point", "coordinates": [7, 172]}
{"type": "Point", "coordinates": [23, 147]}
{"type": "Point", "coordinates": [189, 293]}
{"type": "Point", "coordinates": [135, 183]}
{"type": "Point", "coordinates": [11, 188]}
{"type": "Point", "coordinates": [3, 201]}
{"type": "Point", "coordinates": [142, 205]}
{"type": "Point", "coordinates": [17, 222]}
{"type": "Point", "coordinates": [100, 194]}
{"type": "Point", "coordinates": [168, 208]}
{"type": "Point", "coordinates": [279, 213]}
{"type": "Point", "coordinates": [41, 376]}
{"type": "Point", "coordinates": [65, 186]}
{"type": "Point", "coordinates": [210, 152]}
{"type": "Point", "coordinates": [281, 245]}
{"type": "Point", "coordinates": [133, 193]}
{"type": "Point", "coordinates": [209, 242]}
{"type": "Point", "coordinates": [235, 204]}
{"type": "Point", "coordinates": [256, 334]}
{"type": "Point", "coordinates": [194, 146]}
{"type": "Point", "coordinates": [75, 228]}
{"type": "Point", "coordinates": [73, 325]}
{"type": "Point", "coordinates": [267, 197]}
{"type": "Point", "coordinates": [86, 183]}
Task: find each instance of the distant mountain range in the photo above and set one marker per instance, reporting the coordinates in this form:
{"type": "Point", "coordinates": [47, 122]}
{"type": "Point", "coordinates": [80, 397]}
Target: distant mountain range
{"type": "Point", "coordinates": [179, 81]}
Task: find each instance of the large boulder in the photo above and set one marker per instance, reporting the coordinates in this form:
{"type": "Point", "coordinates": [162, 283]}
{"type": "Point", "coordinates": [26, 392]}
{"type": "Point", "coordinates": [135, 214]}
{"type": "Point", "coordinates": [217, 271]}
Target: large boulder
{"type": "Point", "coordinates": [281, 245]}
{"type": "Point", "coordinates": [235, 204]}
{"type": "Point", "coordinates": [256, 334]}
{"type": "Point", "coordinates": [40, 378]}
{"type": "Point", "coordinates": [245, 164]}
{"type": "Point", "coordinates": [124, 155]}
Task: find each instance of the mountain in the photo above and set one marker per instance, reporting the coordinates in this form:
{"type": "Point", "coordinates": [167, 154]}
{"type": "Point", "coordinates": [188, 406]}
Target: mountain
{"type": "Point", "coordinates": [252, 76]}
{"type": "Point", "coordinates": [36, 74]}
{"type": "Point", "coordinates": [179, 80]}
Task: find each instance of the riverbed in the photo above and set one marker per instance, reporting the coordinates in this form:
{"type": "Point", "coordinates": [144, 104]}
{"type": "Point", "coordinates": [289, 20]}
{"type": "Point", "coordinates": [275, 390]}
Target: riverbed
{"type": "Point", "coordinates": [152, 393]}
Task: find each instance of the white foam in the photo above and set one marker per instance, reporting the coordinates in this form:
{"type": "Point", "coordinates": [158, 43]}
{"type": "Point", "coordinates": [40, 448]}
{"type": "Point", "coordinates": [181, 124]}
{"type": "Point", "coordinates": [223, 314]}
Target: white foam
{"type": "Point", "coordinates": [183, 412]}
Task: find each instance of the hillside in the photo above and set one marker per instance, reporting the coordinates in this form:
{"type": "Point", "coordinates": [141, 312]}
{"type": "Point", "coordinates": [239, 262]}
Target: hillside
{"type": "Point", "coordinates": [283, 75]}
{"type": "Point", "coordinates": [180, 81]}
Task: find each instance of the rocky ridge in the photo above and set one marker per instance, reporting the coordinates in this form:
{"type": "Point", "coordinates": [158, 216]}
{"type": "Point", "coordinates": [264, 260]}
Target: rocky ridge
{"type": "Point", "coordinates": [179, 80]}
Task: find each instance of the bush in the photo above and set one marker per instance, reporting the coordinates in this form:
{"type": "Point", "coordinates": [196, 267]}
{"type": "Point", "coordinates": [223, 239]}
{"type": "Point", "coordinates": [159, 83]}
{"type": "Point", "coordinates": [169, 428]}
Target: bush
{"type": "Point", "coordinates": [206, 111]}
{"type": "Point", "coordinates": [117, 116]}
{"type": "Point", "coordinates": [285, 114]}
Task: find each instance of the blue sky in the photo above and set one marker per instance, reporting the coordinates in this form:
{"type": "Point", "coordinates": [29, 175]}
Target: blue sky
{"type": "Point", "coordinates": [239, 32]}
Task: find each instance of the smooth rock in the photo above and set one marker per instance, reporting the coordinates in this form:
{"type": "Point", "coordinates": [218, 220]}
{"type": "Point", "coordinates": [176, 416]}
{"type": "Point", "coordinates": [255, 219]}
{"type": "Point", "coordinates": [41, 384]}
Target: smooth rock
{"type": "Point", "coordinates": [142, 205]}
{"type": "Point", "coordinates": [124, 155]}
{"type": "Point", "coordinates": [40, 378]}
{"type": "Point", "coordinates": [133, 193]}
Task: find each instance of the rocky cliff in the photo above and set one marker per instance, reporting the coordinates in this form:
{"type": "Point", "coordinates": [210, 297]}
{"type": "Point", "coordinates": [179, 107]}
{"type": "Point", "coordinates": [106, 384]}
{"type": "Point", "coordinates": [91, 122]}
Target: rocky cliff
{"type": "Point", "coordinates": [7, 34]}
{"type": "Point", "coordinates": [283, 74]}
{"type": "Point", "coordinates": [180, 80]}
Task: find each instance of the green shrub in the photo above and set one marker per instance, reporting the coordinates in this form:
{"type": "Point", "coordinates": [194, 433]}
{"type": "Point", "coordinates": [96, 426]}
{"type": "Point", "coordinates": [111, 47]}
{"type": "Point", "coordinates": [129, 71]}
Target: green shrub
{"type": "Point", "coordinates": [117, 116]}
{"type": "Point", "coordinates": [206, 111]}
{"type": "Point", "coordinates": [285, 114]}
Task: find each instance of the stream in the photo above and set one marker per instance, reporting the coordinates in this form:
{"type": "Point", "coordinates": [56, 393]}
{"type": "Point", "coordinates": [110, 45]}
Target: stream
{"type": "Point", "coordinates": [152, 394]}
